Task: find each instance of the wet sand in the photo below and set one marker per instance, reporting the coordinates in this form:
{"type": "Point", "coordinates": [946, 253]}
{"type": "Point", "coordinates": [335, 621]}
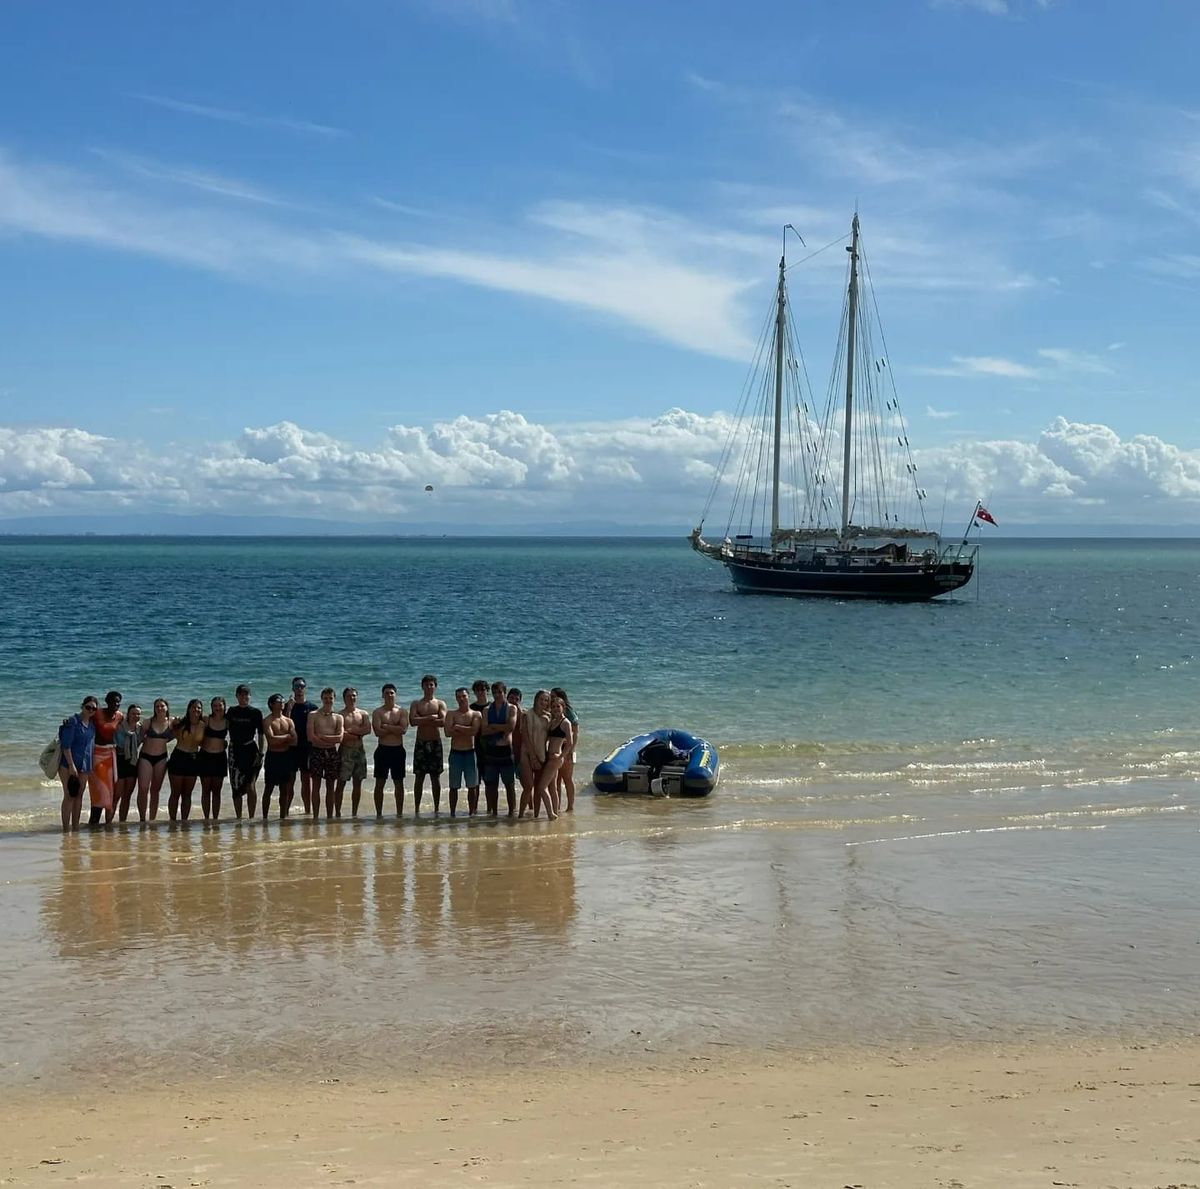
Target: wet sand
{"type": "Point", "coordinates": [758, 988]}
{"type": "Point", "coordinates": [1030, 1116]}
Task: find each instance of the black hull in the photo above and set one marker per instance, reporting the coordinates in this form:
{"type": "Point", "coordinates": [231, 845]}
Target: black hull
{"type": "Point", "coordinates": [899, 583]}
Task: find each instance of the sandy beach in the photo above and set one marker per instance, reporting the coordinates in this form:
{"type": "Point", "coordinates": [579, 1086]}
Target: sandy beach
{"type": "Point", "coordinates": [1101, 1115]}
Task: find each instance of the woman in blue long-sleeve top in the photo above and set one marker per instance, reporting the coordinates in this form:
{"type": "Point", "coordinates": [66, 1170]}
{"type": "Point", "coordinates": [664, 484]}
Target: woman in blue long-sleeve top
{"type": "Point", "coordinates": [77, 738]}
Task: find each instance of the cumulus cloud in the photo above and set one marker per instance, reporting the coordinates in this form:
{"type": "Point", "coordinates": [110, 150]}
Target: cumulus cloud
{"type": "Point", "coordinates": [503, 468]}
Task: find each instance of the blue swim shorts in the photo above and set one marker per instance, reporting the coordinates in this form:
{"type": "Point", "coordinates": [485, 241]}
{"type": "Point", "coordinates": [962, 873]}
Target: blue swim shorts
{"type": "Point", "coordinates": [463, 769]}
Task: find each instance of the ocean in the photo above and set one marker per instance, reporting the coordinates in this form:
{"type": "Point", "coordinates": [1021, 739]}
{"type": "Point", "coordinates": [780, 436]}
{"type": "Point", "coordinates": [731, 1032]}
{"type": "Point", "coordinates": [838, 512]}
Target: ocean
{"type": "Point", "coordinates": [971, 818]}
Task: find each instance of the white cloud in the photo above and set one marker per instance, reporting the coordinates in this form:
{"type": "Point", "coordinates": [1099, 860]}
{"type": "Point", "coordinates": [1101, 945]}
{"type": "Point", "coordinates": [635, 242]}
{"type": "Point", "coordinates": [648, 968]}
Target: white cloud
{"type": "Point", "coordinates": [1058, 362]}
{"type": "Point", "coordinates": [246, 119]}
{"type": "Point", "coordinates": [505, 469]}
{"type": "Point", "coordinates": [939, 414]}
{"type": "Point", "coordinates": [681, 303]}
{"type": "Point", "coordinates": [982, 365]}
{"type": "Point", "coordinates": [1082, 362]}
{"type": "Point", "coordinates": [183, 175]}
{"type": "Point", "coordinates": [617, 261]}
{"type": "Point", "coordinates": [995, 8]}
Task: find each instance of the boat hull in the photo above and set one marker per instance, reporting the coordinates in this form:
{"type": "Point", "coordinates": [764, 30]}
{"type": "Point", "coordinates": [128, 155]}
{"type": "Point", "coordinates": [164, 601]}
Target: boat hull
{"type": "Point", "coordinates": [897, 583]}
{"type": "Point", "coordinates": [700, 775]}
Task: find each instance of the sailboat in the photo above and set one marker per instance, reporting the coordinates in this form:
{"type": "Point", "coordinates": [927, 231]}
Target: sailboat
{"type": "Point", "coordinates": [796, 526]}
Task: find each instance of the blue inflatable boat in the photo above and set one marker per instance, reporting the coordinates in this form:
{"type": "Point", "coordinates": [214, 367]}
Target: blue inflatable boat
{"type": "Point", "coordinates": [687, 766]}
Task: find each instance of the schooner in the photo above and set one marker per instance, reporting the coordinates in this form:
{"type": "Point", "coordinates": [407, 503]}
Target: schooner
{"type": "Point", "coordinates": [797, 524]}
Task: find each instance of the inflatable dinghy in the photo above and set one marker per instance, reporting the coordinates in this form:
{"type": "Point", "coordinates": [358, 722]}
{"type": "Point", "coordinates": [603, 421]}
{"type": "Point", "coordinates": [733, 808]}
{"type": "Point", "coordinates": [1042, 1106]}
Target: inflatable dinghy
{"type": "Point", "coordinates": [687, 766]}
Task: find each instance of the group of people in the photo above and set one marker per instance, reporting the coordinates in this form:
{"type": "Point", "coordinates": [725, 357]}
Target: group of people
{"type": "Point", "coordinates": [492, 741]}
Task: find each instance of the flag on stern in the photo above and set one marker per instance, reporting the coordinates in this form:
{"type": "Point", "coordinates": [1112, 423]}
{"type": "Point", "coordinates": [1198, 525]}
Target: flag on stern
{"type": "Point", "coordinates": [981, 513]}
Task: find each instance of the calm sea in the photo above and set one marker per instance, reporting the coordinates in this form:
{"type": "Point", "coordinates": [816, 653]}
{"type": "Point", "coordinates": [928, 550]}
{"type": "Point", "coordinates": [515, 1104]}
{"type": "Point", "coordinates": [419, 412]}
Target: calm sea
{"type": "Point", "coordinates": [969, 819]}
{"type": "Point", "coordinates": [1064, 660]}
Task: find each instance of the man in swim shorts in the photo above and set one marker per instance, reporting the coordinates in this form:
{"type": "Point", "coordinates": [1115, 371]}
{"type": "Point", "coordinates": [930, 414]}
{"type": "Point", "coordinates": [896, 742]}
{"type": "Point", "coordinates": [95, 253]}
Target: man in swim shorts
{"type": "Point", "coordinates": [462, 729]}
{"type": "Point", "coordinates": [279, 764]}
{"type": "Point", "coordinates": [325, 733]}
{"type": "Point", "coordinates": [299, 708]}
{"type": "Point", "coordinates": [500, 763]}
{"type": "Point", "coordinates": [389, 722]}
{"type": "Point", "coordinates": [482, 700]}
{"type": "Point", "coordinates": [245, 750]}
{"type": "Point", "coordinates": [352, 758]}
{"type": "Point", "coordinates": [428, 715]}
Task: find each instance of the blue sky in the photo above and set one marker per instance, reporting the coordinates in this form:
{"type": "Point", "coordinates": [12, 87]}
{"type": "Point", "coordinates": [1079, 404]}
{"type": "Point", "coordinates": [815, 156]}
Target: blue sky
{"type": "Point", "coordinates": [310, 254]}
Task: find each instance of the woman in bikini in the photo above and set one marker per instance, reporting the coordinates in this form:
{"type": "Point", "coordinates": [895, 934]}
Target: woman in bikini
{"type": "Point", "coordinates": [566, 773]}
{"type": "Point", "coordinates": [212, 762]}
{"type": "Point", "coordinates": [152, 762]}
{"type": "Point", "coordinates": [184, 765]}
{"type": "Point", "coordinates": [128, 741]}
{"type": "Point", "coordinates": [537, 746]}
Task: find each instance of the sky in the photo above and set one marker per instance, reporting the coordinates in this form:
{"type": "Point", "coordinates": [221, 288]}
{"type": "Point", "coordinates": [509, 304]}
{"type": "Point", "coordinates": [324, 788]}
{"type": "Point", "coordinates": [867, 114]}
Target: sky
{"type": "Point", "coordinates": [309, 259]}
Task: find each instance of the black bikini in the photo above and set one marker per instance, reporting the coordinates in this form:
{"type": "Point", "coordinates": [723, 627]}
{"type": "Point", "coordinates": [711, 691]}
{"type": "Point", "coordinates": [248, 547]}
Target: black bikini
{"type": "Point", "coordinates": [151, 733]}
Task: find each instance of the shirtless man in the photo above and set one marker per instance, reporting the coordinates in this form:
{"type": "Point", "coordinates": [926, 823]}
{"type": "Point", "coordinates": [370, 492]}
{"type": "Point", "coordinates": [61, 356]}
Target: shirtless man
{"type": "Point", "coordinates": [279, 769]}
{"type": "Point", "coordinates": [325, 733]}
{"type": "Point", "coordinates": [428, 715]}
{"type": "Point", "coordinates": [389, 722]}
{"type": "Point", "coordinates": [462, 729]}
{"type": "Point", "coordinates": [352, 759]}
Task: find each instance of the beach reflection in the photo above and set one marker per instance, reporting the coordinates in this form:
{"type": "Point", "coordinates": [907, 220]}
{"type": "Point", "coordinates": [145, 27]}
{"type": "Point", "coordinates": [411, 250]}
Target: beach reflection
{"type": "Point", "coordinates": [754, 920]}
{"type": "Point", "coordinates": [334, 889]}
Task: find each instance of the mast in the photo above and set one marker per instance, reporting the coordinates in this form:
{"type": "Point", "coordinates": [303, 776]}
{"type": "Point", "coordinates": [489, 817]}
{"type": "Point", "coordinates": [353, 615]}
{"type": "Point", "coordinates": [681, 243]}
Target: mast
{"type": "Point", "coordinates": [780, 315]}
{"type": "Point", "coordinates": [851, 336]}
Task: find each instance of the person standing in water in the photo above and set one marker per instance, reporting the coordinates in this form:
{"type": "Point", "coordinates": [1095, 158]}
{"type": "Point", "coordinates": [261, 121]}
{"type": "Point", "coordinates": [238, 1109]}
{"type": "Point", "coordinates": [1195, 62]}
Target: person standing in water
{"type": "Point", "coordinates": [566, 771]}
{"type": "Point", "coordinates": [212, 762]}
{"type": "Point", "coordinates": [428, 715]}
{"type": "Point", "coordinates": [128, 744]}
{"type": "Point", "coordinates": [325, 733]}
{"type": "Point", "coordinates": [518, 746]}
{"type": "Point", "coordinates": [279, 764]}
{"type": "Point", "coordinates": [352, 757]}
{"type": "Point", "coordinates": [462, 729]}
{"type": "Point", "coordinates": [499, 762]}
{"type": "Point", "coordinates": [152, 762]}
{"type": "Point", "coordinates": [183, 767]}
{"type": "Point", "coordinates": [102, 786]}
{"type": "Point", "coordinates": [482, 701]}
{"type": "Point", "coordinates": [298, 709]}
{"type": "Point", "coordinates": [535, 727]}
{"type": "Point", "coordinates": [558, 739]}
{"type": "Point", "coordinates": [390, 723]}
{"type": "Point", "coordinates": [246, 746]}
{"type": "Point", "coordinates": [77, 741]}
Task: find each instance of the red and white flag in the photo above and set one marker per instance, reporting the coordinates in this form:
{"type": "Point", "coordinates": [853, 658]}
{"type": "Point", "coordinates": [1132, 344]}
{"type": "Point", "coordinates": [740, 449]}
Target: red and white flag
{"type": "Point", "coordinates": [981, 513]}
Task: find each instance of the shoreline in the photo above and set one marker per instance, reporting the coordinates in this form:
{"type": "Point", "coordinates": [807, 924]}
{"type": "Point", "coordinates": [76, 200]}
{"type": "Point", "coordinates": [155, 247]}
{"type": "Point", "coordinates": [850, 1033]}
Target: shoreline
{"type": "Point", "coordinates": [1024, 1114]}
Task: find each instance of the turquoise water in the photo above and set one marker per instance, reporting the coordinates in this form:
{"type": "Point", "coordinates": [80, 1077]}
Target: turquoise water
{"type": "Point", "coordinates": [968, 820]}
{"type": "Point", "coordinates": [1065, 659]}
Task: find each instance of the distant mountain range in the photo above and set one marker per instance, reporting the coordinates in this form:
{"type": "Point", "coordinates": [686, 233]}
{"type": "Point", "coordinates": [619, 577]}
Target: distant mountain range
{"type": "Point", "coordinates": [167, 524]}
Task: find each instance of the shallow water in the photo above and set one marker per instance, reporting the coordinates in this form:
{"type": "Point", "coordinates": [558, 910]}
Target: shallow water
{"type": "Point", "coordinates": [753, 918]}
{"type": "Point", "coordinates": [975, 819]}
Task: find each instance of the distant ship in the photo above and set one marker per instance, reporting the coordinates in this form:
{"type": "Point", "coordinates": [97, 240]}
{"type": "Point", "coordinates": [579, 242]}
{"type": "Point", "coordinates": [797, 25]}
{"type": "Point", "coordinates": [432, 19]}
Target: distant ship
{"type": "Point", "coordinates": [777, 462]}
